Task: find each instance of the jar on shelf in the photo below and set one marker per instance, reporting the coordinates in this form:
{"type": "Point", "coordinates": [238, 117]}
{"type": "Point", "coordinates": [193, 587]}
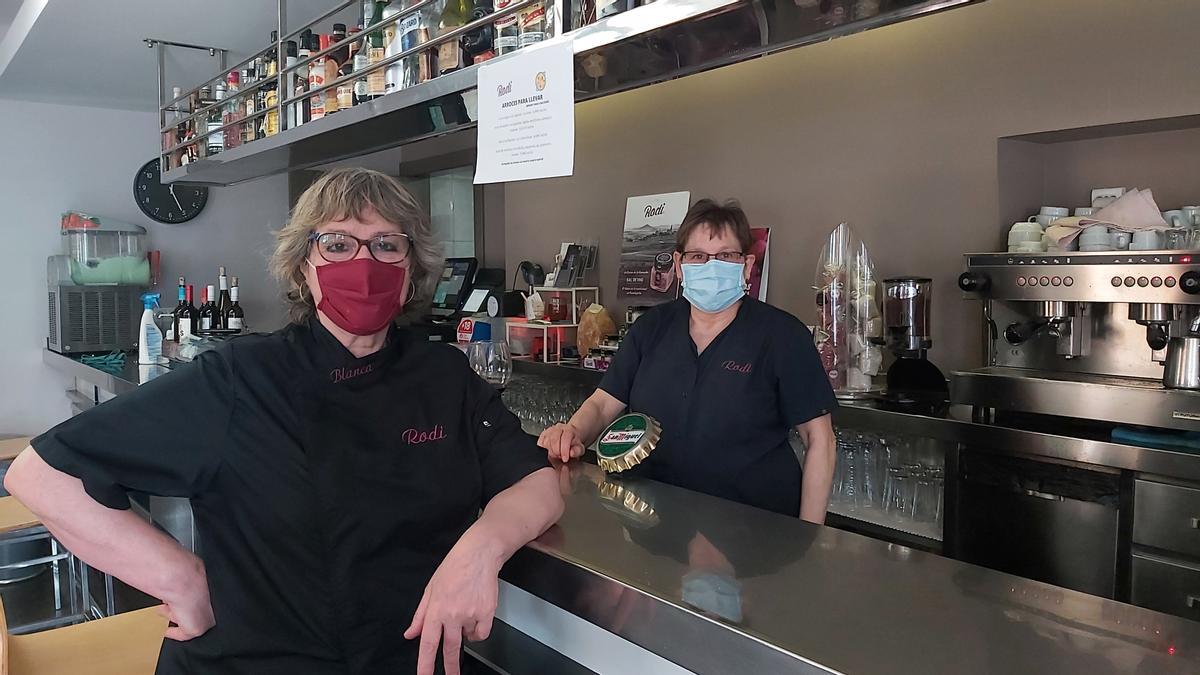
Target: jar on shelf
{"type": "Point", "coordinates": [848, 311]}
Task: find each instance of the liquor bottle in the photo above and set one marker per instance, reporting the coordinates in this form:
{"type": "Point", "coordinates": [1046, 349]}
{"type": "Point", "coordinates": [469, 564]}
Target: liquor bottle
{"type": "Point", "coordinates": [223, 300]}
{"type": "Point", "coordinates": [293, 110]}
{"type": "Point", "coordinates": [271, 120]}
{"type": "Point", "coordinates": [181, 318]}
{"type": "Point", "coordinates": [248, 104]}
{"type": "Point", "coordinates": [271, 56]}
{"type": "Point", "coordinates": [362, 59]}
{"type": "Point", "coordinates": [301, 85]}
{"type": "Point", "coordinates": [369, 16]}
{"type": "Point", "coordinates": [235, 317]}
{"type": "Point", "coordinates": [331, 68]}
{"type": "Point", "coordinates": [345, 91]}
{"type": "Point", "coordinates": [232, 112]}
{"type": "Point", "coordinates": [216, 137]}
{"type": "Point", "coordinates": [478, 45]}
{"type": "Point", "coordinates": [316, 79]}
{"type": "Point", "coordinates": [508, 32]}
{"type": "Point", "coordinates": [533, 24]}
{"type": "Point", "coordinates": [377, 79]}
{"type": "Point", "coordinates": [411, 32]}
{"type": "Point", "coordinates": [208, 310]}
{"type": "Point", "coordinates": [450, 55]}
{"type": "Point", "coordinates": [394, 74]}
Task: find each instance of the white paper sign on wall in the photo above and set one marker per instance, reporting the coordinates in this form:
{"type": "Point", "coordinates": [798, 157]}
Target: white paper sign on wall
{"type": "Point", "coordinates": [527, 115]}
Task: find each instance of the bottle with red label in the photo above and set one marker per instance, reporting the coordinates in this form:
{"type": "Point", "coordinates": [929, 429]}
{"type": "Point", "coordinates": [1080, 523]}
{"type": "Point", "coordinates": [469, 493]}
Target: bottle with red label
{"type": "Point", "coordinates": [508, 30]}
{"type": "Point", "coordinates": [533, 26]}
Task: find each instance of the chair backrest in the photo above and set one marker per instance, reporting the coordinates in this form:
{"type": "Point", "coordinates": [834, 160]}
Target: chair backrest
{"type": "Point", "coordinates": [11, 447]}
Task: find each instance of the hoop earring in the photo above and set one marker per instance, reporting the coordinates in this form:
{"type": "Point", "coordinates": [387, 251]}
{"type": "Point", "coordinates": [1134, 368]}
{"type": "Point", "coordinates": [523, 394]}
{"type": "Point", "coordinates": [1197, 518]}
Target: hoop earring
{"type": "Point", "coordinates": [412, 293]}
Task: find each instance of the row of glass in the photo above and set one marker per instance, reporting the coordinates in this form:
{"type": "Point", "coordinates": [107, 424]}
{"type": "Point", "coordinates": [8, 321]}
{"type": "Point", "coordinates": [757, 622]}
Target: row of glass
{"type": "Point", "coordinates": [540, 404]}
{"type": "Point", "coordinates": [901, 478]}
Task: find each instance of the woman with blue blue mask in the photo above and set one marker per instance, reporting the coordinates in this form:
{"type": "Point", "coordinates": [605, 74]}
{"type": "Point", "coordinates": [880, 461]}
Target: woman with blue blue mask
{"type": "Point", "coordinates": [726, 376]}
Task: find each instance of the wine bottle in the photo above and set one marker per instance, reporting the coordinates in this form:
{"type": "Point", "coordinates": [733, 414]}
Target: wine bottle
{"type": "Point", "coordinates": [223, 300]}
{"type": "Point", "coordinates": [235, 317]}
{"type": "Point", "coordinates": [181, 319]}
{"type": "Point", "coordinates": [208, 310]}
{"type": "Point", "coordinates": [450, 55]}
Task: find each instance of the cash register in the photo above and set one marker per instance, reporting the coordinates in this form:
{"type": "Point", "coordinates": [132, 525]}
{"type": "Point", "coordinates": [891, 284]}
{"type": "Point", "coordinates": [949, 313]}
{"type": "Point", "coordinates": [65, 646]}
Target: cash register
{"type": "Point", "coordinates": [462, 290]}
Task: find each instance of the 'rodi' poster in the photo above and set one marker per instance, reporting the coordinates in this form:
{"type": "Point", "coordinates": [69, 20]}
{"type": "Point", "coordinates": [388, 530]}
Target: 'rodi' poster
{"type": "Point", "coordinates": [647, 265]}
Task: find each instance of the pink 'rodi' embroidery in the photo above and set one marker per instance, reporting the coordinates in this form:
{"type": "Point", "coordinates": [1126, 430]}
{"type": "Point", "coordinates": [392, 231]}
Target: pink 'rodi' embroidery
{"type": "Point", "coordinates": [417, 437]}
{"type": "Point", "coordinates": [737, 367]}
{"type": "Point", "coordinates": [343, 374]}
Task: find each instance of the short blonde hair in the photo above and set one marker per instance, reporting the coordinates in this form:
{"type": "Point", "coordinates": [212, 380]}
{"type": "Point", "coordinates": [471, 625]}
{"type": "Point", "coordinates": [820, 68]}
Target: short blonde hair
{"type": "Point", "coordinates": [345, 193]}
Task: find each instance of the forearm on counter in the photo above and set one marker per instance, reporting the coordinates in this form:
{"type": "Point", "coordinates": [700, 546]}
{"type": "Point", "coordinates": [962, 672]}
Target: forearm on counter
{"type": "Point", "coordinates": [518, 515]}
{"type": "Point", "coordinates": [819, 460]}
{"type": "Point", "coordinates": [115, 541]}
{"type": "Point", "coordinates": [596, 413]}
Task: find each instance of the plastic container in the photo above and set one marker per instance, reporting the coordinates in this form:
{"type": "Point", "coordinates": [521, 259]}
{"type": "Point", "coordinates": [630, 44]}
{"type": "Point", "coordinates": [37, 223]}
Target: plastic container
{"type": "Point", "coordinates": [104, 251]}
{"type": "Point", "coordinates": [847, 297]}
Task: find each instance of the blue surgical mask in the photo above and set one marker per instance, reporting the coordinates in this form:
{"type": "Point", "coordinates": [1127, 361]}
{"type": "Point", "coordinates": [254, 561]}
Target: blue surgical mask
{"type": "Point", "coordinates": [715, 285]}
{"type": "Point", "coordinates": [713, 592]}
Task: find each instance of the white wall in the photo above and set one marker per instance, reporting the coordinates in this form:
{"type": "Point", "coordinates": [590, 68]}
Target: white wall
{"type": "Point", "coordinates": [58, 158]}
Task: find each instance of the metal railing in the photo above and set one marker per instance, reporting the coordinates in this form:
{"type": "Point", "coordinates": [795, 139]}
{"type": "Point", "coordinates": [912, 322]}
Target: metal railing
{"type": "Point", "coordinates": [199, 119]}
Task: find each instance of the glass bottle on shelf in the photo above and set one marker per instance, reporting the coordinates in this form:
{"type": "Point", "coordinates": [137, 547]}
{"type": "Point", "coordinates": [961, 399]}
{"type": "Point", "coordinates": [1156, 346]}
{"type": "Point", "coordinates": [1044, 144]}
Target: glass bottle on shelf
{"type": "Point", "coordinates": [455, 14]}
{"type": "Point", "coordinates": [377, 79]}
{"type": "Point", "coordinates": [316, 80]}
{"type": "Point", "coordinates": [508, 32]}
{"type": "Point", "coordinates": [232, 111]}
{"type": "Point", "coordinates": [345, 90]}
{"type": "Point", "coordinates": [304, 106]}
{"type": "Point", "coordinates": [249, 103]}
{"type": "Point", "coordinates": [533, 25]}
{"type": "Point", "coordinates": [216, 137]}
{"type": "Point", "coordinates": [293, 109]}
{"type": "Point", "coordinates": [362, 59]}
{"type": "Point", "coordinates": [333, 64]}
{"type": "Point", "coordinates": [478, 45]}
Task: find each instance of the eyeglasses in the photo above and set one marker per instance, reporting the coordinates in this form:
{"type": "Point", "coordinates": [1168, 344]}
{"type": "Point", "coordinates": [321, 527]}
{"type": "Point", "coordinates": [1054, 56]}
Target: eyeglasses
{"type": "Point", "coordinates": [334, 247]}
{"type": "Point", "coordinates": [700, 257]}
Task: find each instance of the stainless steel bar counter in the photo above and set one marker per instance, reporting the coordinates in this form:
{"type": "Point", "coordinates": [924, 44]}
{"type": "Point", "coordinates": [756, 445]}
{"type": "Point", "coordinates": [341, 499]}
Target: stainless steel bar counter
{"type": "Point", "coordinates": [718, 587]}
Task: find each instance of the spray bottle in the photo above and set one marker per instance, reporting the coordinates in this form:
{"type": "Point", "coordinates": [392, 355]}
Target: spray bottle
{"type": "Point", "coordinates": [149, 336]}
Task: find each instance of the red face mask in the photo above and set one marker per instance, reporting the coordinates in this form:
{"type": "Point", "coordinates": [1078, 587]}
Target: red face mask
{"type": "Point", "coordinates": [361, 296]}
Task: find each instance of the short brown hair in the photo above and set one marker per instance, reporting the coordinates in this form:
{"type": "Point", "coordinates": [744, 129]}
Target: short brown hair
{"type": "Point", "coordinates": [715, 218]}
{"type": "Point", "coordinates": [341, 194]}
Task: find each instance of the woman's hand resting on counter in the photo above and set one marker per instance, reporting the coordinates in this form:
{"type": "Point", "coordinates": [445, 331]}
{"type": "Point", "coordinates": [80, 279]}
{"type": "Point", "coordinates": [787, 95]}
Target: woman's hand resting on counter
{"type": "Point", "coordinates": [562, 442]}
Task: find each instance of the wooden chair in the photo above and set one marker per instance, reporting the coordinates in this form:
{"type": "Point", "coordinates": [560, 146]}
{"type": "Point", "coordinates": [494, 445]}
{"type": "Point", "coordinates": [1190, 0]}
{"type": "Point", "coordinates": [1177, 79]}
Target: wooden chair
{"type": "Point", "coordinates": [123, 644]}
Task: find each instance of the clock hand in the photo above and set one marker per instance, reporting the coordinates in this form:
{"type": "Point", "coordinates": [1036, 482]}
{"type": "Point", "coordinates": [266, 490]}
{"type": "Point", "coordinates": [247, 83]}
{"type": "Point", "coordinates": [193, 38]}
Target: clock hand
{"type": "Point", "coordinates": [171, 188]}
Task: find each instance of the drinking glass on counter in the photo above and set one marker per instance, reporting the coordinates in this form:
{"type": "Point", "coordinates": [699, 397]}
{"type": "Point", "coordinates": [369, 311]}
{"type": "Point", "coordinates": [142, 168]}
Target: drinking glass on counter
{"type": "Point", "coordinates": [492, 361]}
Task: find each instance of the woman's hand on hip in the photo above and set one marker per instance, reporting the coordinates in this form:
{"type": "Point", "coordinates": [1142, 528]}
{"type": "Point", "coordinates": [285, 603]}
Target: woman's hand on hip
{"type": "Point", "coordinates": [562, 442]}
{"type": "Point", "coordinates": [189, 606]}
{"type": "Point", "coordinates": [459, 600]}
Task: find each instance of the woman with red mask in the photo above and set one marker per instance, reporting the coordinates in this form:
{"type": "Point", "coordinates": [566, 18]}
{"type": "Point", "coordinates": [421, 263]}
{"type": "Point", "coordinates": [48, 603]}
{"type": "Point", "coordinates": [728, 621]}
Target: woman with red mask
{"type": "Point", "coordinates": [355, 488]}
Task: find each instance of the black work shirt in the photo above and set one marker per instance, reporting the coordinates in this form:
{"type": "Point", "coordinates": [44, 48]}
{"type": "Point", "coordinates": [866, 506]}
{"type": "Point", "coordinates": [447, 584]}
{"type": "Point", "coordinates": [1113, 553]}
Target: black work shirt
{"type": "Point", "coordinates": [326, 489]}
{"type": "Point", "coordinates": [727, 413]}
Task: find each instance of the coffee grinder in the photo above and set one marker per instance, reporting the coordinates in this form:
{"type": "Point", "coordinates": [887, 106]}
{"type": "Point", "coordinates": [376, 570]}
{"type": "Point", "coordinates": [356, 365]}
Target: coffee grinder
{"type": "Point", "coordinates": [906, 322]}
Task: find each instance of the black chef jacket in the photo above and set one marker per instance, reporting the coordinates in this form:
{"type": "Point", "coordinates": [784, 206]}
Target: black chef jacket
{"type": "Point", "coordinates": [326, 489]}
{"type": "Point", "coordinates": [727, 413]}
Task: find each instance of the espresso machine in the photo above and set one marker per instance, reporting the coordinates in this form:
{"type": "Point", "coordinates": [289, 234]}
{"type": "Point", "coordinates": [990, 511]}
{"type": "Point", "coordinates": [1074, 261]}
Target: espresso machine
{"type": "Point", "coordinates": [1086, 336]}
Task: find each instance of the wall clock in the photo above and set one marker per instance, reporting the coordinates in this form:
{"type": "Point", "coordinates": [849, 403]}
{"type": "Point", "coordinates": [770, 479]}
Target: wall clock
{"type": "Point", "coordinates": [166, 203]}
